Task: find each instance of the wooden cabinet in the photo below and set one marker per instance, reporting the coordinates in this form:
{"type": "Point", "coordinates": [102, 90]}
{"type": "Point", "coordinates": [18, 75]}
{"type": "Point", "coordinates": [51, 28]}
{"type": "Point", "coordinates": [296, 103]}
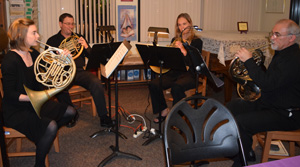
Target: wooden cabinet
{"type": "Point", "coordinates": [3, 14]}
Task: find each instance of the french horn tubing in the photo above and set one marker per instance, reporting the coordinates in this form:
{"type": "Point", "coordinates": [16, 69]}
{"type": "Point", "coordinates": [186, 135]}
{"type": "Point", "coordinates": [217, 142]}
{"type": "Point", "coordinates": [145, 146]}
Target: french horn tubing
{"type": "Point", "coordinates": [53, 70]}
{"type": "Point", "coordinates": [246, 88]}
{"type": "Point", "coordinates": [71, 43]}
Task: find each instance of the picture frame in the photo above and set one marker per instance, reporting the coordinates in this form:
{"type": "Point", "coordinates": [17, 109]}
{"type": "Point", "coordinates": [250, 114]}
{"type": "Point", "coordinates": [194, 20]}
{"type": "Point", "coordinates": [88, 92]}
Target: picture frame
{"type": "Point", "coordinates": [275, 6]}
{"type": "Point", "coordinates": [127, 20]}
{"type": "Point", "coordinates": [242, 27]}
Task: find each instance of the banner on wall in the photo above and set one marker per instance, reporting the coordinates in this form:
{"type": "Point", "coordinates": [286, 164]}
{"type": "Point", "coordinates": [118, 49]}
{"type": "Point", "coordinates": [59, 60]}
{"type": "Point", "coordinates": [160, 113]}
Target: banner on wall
{"type": "Point", "coordinates": [20, 9]}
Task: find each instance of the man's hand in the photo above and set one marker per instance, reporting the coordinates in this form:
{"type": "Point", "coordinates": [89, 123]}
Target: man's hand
{"type": "Point", "coordinates": [243, 54]}
{"type": "Point", "coordinates": [83, 42]}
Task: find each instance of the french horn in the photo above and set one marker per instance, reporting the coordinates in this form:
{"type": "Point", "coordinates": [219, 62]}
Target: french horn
{"type": "Point", "coordinates": [246, 88]}
{"type": "Point", "coordinates": [71, 43]}
{"type": "Point", "coordinates": [55, 71]}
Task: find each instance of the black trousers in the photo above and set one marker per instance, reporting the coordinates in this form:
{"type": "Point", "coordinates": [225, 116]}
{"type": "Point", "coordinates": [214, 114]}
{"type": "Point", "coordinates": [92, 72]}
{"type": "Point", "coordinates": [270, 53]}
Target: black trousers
{"type": "Point", "coordinates": [253, 117]}
{"type": "Point", "coordinates": [91, 83]}
{"type": "Point", "coordinates": [178, 81]}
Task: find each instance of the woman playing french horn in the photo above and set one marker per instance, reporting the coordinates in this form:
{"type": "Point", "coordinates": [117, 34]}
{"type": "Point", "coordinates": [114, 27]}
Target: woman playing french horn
{"type": "Point", "coordinates": [178, 81]}
{"type": "Point", "coordinates": [18, 70]}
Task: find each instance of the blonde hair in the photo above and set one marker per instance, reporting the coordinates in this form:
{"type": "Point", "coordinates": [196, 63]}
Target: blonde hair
{"type": "Point", "coordinates": [177, 30]}
{"type": "Point", "coordinates": [17, 33]}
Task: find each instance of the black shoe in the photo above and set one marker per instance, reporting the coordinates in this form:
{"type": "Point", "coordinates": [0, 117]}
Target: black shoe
{"type": "Point", "coordinates": [105, 121]}
{"type": "Point", "coordinates": [251, 156]}
{"type": "Point", "coordinates": [73, 122]}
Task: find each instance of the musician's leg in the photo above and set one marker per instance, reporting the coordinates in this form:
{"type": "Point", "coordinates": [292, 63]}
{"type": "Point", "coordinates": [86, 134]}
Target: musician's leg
{"type": "Point", "coordinates": [184, 82]}
{"type": "Point", "coordinates": [157, 97]}
{"type": "Point", "coordinates": [44, 144]}
{"type": "Point", "coordinates": [67, 117]}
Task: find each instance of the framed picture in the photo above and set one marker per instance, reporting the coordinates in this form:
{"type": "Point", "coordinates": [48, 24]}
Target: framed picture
{"type": "Point", "coordinates": [242, 27]}
{"type": "Point", "coordinates": [275, 6]}
{"type": "Point", "coordinates": [127, 21]}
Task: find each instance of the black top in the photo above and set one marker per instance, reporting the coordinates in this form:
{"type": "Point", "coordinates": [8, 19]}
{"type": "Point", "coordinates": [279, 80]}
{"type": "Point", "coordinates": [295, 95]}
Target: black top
{"type": "Point", "coordinates": [15, 76]}
{"type": "Point", "coordinates": [197, 43]}
{"type": "Point", "coordinates": [55, 41]}
{"type": "Point", "coordinates": [280, 83]}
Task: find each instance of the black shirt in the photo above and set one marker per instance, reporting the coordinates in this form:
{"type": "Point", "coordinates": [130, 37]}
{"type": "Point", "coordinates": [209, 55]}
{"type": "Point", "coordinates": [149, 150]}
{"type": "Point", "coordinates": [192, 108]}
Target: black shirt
{"type": "Point", "coordinates": [280, 83]}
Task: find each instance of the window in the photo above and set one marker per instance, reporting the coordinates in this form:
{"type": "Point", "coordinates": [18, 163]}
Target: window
{"type": "Point", "coordinates": [93, 13]}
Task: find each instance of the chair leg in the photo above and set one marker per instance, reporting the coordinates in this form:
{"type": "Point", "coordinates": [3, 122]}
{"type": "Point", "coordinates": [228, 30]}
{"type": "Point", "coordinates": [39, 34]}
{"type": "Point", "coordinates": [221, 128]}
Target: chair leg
{"type": "Point", "coordinates": [292, 148]}
{"type": "Point", "coordinates": [255, 142]}
{"type": "Point", "coordinates": [56, 144]}
{"type": "Point", "coordinates": [93, 107]}
{"type": "Point", "coordinates": [47, 161]}
{"type": "Point", "coordinates": [266, 150]}
{"type": "Point", "coordinates": [19, 144]}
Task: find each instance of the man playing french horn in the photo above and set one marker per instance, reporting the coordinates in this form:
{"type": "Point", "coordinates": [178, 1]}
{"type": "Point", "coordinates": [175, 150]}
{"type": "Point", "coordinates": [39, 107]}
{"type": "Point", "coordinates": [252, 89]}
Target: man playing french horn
{"type": "Point", "coordinates": [278, 108]}
{"type": "Point", "coordinates": [82, 78]}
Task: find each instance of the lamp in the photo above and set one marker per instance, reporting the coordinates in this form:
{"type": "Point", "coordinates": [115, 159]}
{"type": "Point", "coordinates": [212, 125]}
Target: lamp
{"type": "Point", "coordinates": [107, 29]}
{"type": "Point", "coordinates": [157, 30]}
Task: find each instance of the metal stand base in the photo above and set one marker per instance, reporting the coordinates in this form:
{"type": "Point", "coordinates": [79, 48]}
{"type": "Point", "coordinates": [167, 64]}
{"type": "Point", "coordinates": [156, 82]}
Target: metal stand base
{"type": "Point", "coordinates": [157, 135]}
{"type": "Point", "coordinates": [115, 154]}
{"type": "Point", "coordinates": [108, 130]}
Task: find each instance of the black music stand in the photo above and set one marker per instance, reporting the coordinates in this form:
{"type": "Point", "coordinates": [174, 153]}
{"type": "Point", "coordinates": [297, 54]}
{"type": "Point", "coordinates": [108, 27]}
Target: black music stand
{"type": "Point", "coordinates": [163, 57]}
{"type": "Point", "coordinates": [200, 67]}
{"type": "Point", "coordinates": [101, 53]}
{"type": "Point", "coordinates": [116, 151]}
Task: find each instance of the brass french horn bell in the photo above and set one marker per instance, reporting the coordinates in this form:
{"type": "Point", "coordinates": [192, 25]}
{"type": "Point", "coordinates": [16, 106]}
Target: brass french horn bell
{"type": "Point", "coordinates": [53, 70]}
{"type": "Point", "coordinates": [246, 88]}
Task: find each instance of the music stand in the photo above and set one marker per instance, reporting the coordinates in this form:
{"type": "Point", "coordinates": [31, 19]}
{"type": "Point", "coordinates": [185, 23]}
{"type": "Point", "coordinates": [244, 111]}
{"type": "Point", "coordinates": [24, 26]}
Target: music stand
{"type": "Point", "coordinates": [101, 53]}
{"type": "Point", "coordinates": [163, 57]}
{"type": "Point", "coordinates": [200, 67]}
{"type": "Point", "coordinates": [106, 71]}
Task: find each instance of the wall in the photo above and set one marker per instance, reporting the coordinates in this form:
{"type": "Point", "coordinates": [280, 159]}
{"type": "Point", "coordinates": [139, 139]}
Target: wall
{"type": "Point", "coordinates": [224, 14]}
{"type": "Point", "coordinates": [268, 20]}
{"type": "Point", "coordinates": [163, 13]}
{"type": "Point", "coordinates": [208, 14]}
{"type": "Point", "coordinates": [48, 14]}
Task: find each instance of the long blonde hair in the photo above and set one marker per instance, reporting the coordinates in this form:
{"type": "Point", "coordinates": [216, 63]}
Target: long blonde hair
{"type": "Point", "coordinates": [177, 30]}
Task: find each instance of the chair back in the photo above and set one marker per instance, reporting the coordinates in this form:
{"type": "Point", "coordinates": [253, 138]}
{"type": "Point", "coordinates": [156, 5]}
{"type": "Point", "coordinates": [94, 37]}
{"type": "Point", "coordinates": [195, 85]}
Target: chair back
{"type": "Point", "coordinates": [197, 134]}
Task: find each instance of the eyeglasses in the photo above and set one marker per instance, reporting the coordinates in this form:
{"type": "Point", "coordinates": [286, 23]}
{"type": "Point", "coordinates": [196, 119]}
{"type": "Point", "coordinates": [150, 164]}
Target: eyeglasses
{"type": "Point", "coordinates": [277, 34]}
{"type": "Point", "coordinates": [68, 24]}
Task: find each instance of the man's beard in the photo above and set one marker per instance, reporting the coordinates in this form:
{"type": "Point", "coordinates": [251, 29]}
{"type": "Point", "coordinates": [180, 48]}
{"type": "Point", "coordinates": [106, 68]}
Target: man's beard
{"type": "Point", "coordinates": [274, 46]}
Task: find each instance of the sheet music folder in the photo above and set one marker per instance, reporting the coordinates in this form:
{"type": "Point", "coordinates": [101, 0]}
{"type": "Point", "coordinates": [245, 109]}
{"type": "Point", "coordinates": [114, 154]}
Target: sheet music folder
{"type": "Point", "coordinates": [101, 53]}
{"type": "Point", "coordinates": [152, 55]}
{"type": "Point", "coordinates": [114, 61]}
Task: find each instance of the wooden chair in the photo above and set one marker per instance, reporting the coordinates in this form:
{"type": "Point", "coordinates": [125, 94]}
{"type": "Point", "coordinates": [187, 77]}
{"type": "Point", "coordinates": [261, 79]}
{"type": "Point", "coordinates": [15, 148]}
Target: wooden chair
{"type": "Point", "coordinates": [264, 139]}
{"type": "Point", "coordinates": [12, 135]}
{"type": "Point", "coordinates": [202, 79]}
{"type": "Point", "coordinates": [79, 91]}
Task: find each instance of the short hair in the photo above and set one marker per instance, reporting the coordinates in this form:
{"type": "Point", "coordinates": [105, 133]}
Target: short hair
{"type": "Point", "coordinates": [17, 32]}
{"type": "Point", "coordinates": [292, 28]}
{"type": "Point", "coordinates": [64, 15]}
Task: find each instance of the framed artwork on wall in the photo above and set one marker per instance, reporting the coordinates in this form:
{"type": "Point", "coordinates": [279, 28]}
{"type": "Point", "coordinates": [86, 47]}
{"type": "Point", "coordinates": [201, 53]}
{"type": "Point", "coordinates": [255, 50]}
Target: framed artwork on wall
{"type": "Point", "coordinates": [242, 27]}
{"type": "Point", "coordinates": [127, 21]}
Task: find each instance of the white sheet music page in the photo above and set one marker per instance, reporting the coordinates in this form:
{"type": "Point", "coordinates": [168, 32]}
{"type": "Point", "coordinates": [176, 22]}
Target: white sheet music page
{"type": "Point", "coordinates": [115, 60]}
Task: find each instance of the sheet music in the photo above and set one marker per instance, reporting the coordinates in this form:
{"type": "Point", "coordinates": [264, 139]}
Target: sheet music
{"type": "Point", "coordinates": [115, 60]}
